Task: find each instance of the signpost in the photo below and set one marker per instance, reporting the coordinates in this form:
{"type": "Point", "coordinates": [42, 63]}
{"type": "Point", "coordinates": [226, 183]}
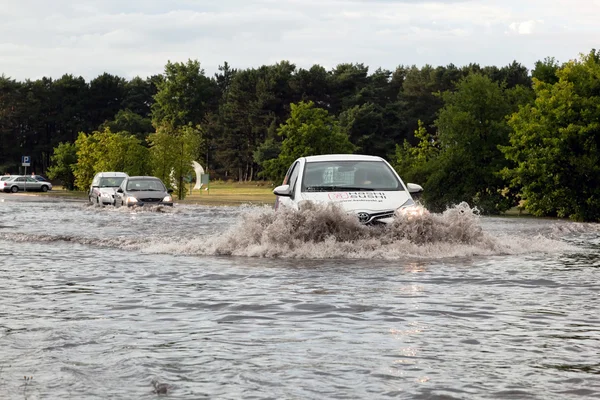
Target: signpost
{"type": "Point", "coordinates": [26, 162]}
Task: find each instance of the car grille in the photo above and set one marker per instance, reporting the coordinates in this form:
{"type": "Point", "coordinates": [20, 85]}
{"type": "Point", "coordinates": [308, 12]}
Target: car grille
{"type": "Point", "coordinates": [373, 218]}
{"type": "Point", "coordinates": [151, 200]}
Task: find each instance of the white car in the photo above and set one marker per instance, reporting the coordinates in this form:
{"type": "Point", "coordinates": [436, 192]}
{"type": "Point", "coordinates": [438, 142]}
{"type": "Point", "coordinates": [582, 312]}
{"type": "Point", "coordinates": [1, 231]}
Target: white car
{"type": "Point", "coordinates": [365, 185]}
{"type": "Point", "coordinates": [103, 188]}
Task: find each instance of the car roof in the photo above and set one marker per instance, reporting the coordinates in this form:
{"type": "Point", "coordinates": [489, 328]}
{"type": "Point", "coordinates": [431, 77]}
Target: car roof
{"type": "Point", "coordinates": [112, 174]}
{"type": "Point", "coordinates": [143, 177]}
{"type": "Point", "coordinates": [342, 157]}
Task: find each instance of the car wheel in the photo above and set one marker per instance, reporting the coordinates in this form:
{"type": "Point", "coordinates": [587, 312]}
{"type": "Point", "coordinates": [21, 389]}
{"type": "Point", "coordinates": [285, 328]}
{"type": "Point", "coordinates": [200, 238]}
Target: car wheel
{"type": "Point", "coordinates": [14, 189]}
{"type": "Point", "coordinates": [44, 188]}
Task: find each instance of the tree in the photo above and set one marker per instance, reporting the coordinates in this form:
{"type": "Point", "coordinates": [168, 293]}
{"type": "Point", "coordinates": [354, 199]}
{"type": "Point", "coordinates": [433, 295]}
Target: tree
{"type": "Point", "coordinates": [413, 163]}
{"type": "Point", "coordinates": [545, 71]}
{"type": "Point", "coordinates": [108, 151]}
{"type": "Point", "coordinates": [88, 155]}
{"type": "Point", "coordinates": [184, 96]}
{"type": "Point", "coordinates": [309, 131]}
{"type": "Point", "coordinates": [106, 93]}
{"type": "Point", "coordinates": [556, 144]}
{"type": "Point", "coordinates": [128, 121]}
{"type": "Point", "coordinates": [471, 126]}
{"type": "Point", "coordinates": [172, 153]}
{"type": "Point", "coordinates": [63, 161]}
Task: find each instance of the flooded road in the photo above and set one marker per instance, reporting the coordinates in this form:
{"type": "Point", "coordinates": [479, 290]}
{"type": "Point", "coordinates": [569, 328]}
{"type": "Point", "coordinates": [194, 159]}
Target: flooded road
{"type": "Point", "coordinates": [230, 303]}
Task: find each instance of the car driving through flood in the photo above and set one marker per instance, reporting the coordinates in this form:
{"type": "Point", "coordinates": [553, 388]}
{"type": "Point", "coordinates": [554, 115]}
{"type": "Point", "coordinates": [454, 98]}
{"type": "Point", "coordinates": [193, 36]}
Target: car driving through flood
{"type": "Point", "coordinates": [143, 190]}
{"type": "Point", "coordinates": [365, 185]}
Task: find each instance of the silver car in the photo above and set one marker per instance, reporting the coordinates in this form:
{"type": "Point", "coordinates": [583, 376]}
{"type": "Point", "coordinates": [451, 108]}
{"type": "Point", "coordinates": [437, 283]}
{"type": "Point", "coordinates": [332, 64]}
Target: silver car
{"type": "Point", "coordinates": [103, 187]}
{"type": "Point", "coordinates": [25, 183]}
{"type": "Point", "coordinates": [143, 190]}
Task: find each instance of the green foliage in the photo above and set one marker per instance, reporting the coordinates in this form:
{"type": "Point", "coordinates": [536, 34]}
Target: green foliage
{"type": "Point", "coordinates": [184, 95]}
{"type": "Point", "coordinates": [64, 160]}
{"type": "Point", "coordinates": [413, 163]}
{"type": "Point", "coordinates": [108, 151]}
{"type": "Point", "coordinates": [128, 121]}
{"type": "Point", "coordinates": [545, 71]}
{"type": "Point", "coordinates": [171, 154]}
{"type": "Point", "coordinates": [471, 126]}
{"type": "Point", "coordinates": [309, 131]}
{"type": "Point", "coordinates": [556, 144]}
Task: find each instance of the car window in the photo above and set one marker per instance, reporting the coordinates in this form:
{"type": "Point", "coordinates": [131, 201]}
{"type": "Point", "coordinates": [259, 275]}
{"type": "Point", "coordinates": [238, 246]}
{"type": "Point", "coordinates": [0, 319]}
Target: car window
{"type": "Point", "coordinates": [20, 179]}
{"type": "Point", "coordinates": [145, 184]}
{"type": "Point", "coordinates": [294, 177]}
{"type": "Point", "coordinates": [31, 180]}
{"type": "Point", "coordinates": [110, 181]}
{"type": "Point", "coordinates": [349, 175]}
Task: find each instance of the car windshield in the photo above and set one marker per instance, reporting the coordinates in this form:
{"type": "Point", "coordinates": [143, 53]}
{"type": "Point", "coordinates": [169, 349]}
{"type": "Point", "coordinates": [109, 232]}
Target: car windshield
{"type": "Point", "coordinates": [331, 176]}
{"type": "Point", "coordinates": [111, 181]}
{"type": "Point", "coordinates": [145, 185]}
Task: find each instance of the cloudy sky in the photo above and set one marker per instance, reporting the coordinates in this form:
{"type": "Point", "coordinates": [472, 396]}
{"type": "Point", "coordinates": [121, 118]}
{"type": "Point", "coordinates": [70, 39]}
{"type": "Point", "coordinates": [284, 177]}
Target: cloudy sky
{"type": "Point", "coordinates": [137, 37]}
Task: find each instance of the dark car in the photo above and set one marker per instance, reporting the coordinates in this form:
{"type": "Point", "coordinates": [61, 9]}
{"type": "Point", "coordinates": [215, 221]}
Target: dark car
{"type": "Point", "coordinates": [143, 190]}
{"type": "Point", "coordinates": [39, 178]}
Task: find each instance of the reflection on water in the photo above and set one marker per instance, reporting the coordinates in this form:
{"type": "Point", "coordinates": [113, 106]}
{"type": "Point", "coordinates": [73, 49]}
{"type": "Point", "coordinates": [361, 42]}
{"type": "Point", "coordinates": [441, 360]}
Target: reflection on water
{"type": "Point", "coordinates": [116, 303]}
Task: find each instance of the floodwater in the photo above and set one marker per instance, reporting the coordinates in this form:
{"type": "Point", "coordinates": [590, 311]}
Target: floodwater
{"type": "Point", "coordinates": [195, 302]}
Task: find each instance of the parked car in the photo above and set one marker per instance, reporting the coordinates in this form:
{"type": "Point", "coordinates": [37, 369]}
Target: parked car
{"type": "Point", "coordinates": [39, 178]}
{"type": "Point", "coordinates": [103, 187]}
{"type": "Point", "coordinates": [143, 190]}
{"type": "Point", "coordinates": [364, 185]}
{"type": "Point", "coordinates": [25, 183]}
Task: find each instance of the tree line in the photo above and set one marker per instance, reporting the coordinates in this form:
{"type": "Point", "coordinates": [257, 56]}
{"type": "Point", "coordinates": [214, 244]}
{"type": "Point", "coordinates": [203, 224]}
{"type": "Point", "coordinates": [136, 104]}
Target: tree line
{"type": "Point", "coordinates": [491, 136]}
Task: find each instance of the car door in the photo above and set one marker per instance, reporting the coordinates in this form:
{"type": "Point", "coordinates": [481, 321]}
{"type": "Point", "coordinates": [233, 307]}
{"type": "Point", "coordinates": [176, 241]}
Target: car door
{"type": "Point", "coordinates": [291, 178]}
{"type": "Point", "coordinates": [120, 193]}
{"type": "Point", "coordinates": [20, 182]}
{"type": "Point", "coordinates": [32, 184]}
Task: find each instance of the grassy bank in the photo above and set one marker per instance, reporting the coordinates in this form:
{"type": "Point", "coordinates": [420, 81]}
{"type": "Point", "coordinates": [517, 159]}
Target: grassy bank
{"type": "Point", "coordinates": [232, 193]}
{"type": "Point", "coordinates": [219, 193]}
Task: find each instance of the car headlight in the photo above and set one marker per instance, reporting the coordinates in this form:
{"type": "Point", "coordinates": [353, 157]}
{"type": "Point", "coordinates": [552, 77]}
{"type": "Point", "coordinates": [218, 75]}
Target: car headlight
{"type": "Point", "coordinates": [167, 199]}
{"type": "Point", "coordinates": [130, 200]}
{"type": "Point", "coordinates": [410, 209]}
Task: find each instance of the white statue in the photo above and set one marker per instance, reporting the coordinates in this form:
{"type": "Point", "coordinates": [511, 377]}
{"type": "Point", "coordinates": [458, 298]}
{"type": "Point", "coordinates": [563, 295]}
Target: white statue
{"type": "Point", "coordinates": [199, 172]}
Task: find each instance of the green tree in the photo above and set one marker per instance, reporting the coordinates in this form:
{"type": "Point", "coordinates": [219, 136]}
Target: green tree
{"type": "Point", "coordinates": [471, 126]}
{"type": "Point", "coordinates": [172, 153]}
{"type": "Point", "coordinates": [309, 131]}
{"type": "Point", "coordinates": [88, 155]}
{"type": "Point", "coordinates": [128, 121]}
{"type": "Point", "coordinates": [413, 163]}
{"type": "Point", "coordinates": [63, 161]}
{"type": "Point", "coordinates": [185, 95]}
{"type": "Point", "coordinates": [545, 71]}
{"type": "Point", "coordinates": [556, 144]}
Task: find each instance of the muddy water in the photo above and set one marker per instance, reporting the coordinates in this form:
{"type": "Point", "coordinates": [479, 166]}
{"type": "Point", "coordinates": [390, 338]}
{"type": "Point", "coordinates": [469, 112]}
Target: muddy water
{"type": "Point", "coordinates": [231, 303]}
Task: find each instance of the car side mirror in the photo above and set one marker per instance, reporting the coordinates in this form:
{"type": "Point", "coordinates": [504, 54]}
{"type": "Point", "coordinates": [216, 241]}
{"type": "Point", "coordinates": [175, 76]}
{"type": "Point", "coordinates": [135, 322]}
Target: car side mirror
{"type": "Point", "coordinates": [283, 190]}
{"type": "Point", "coordinates": [119, 190]}
{"type": "Point", "coordinates": [169, 191]}
{"type": "Point", "coordinates": [414, 188]}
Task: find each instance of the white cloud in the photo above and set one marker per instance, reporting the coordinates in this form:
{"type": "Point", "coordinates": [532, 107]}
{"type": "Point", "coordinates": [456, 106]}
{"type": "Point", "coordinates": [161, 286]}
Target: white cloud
{"type": "Point", "coordinates": [88, 37]}
{"type": "Point", "coordinates": [525, 27]}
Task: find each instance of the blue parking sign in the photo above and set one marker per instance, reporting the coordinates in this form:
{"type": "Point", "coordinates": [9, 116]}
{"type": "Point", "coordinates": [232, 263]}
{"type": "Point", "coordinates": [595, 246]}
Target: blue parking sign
{"type": "Point", "coordinates": [26, 161]}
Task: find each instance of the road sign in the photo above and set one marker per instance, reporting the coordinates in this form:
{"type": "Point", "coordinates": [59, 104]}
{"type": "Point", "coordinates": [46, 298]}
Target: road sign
{"type": "Point", "coordinates": [26, 161]}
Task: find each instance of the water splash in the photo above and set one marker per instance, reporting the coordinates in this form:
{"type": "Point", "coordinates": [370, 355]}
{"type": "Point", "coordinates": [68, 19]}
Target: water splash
{"type": "Point", "coordinates": [326, 231]}
{"type": "Point", "coordinates": [321, 232]}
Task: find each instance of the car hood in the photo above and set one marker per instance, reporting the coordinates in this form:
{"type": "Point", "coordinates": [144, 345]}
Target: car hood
{"type": "Point", "coordinates": [147, 194]}
{"type": "Point", "coordinates": [361, 201]}
{"type": "Point", "coordinates": [108, 190]}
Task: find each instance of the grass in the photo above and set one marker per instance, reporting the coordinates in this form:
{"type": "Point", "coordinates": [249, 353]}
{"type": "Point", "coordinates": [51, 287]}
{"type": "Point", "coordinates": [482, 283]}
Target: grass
{"type": "Point", "coordinates": [232, 193]}
{"type": "Point", "coordinates": [220, 193]}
